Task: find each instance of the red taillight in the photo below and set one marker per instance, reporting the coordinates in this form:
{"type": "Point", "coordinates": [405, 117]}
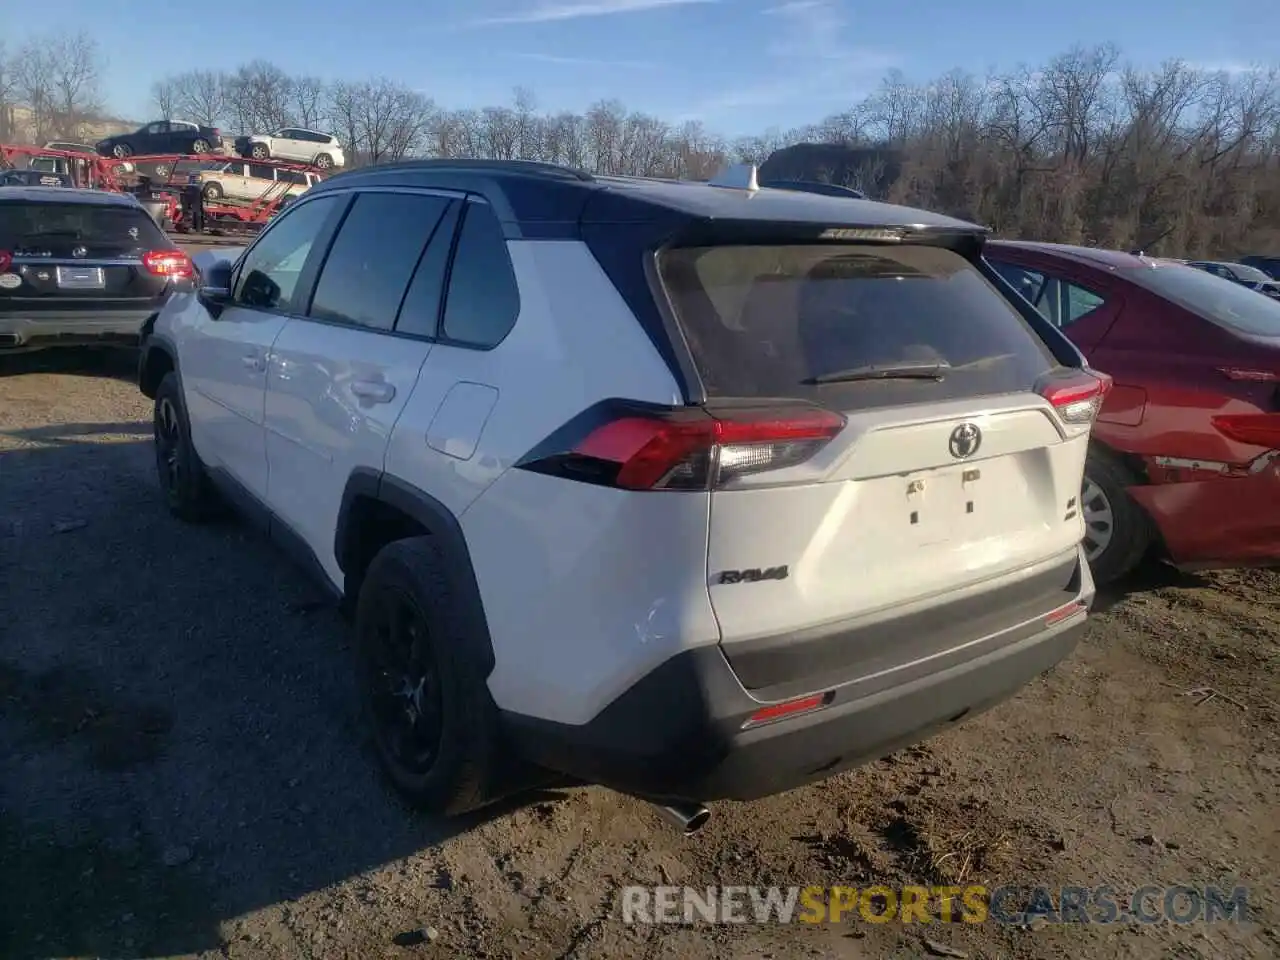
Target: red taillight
{"type": "Point", "coordinates": [705, 450]}
{"type": "Point", "coordinates": [684, 448]}
{"type": "Point", "coordinates": [1255, 429]}
{"type": "Point", "coordinates": [6, 261]}
{"type": "Point", "coordinates": [1077, 398]}
{"type": "Point", "coordinates": [168, 263]}
{"type": "Point", "coordinates": [788, 708]}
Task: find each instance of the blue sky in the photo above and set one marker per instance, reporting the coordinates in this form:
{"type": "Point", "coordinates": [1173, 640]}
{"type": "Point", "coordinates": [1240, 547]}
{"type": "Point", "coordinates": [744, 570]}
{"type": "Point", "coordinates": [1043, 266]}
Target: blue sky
{"type": "Point", "coordinates": [739, 65]}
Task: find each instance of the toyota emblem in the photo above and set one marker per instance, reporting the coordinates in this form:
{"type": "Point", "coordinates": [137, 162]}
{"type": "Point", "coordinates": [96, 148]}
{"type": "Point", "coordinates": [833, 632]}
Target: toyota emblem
{"type": "Point", "coordinates": [965, 441]}
{"type": "Point", "coordinates": [79, 252]}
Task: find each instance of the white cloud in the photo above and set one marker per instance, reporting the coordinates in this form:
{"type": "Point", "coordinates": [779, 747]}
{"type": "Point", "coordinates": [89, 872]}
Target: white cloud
{"type": "Point", "coordinates": [591, 8]}
{"type": "Point", "coordinates": [809, 61]}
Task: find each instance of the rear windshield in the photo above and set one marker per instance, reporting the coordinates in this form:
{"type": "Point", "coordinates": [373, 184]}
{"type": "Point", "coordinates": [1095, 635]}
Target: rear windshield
{"type": "Point", "coordinates": [1269, 265]}
{"type": "Point", "coordinates": [1216, 299]}
{"type": "Point", "coordinates": [51, 226]}
{"type": "Point", "coordinates": [1244, 272]}
{"type": "Point", "coordinates": [761, 321]}
{"type": "Point", "coordinates": [35, 177]}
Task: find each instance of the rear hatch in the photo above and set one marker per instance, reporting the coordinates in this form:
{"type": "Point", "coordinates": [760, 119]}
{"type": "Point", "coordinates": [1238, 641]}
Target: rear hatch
{"type": "Point", "coordinates": [77, 256]}
{"type": "Point", "coordinates": [894, 439]}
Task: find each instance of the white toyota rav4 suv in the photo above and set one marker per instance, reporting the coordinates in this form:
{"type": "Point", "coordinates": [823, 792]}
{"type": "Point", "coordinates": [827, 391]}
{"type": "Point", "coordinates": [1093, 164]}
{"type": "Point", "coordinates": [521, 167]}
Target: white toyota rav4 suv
{"type": "Point", "coordinates": [696, 490]}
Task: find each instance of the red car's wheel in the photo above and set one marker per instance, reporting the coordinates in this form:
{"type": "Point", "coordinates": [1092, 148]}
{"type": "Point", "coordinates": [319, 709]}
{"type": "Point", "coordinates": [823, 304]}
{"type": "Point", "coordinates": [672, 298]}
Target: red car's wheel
{"type": "Point", "coordinates": [1117, 532]}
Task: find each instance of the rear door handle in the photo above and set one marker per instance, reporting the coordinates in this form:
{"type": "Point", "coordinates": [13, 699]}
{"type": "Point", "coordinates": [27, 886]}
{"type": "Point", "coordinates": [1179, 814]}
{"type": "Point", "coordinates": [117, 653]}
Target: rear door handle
{"type": "Point", "coordinates": [376, 391]}
{"type": "Point", "coordinates": [253, 361]}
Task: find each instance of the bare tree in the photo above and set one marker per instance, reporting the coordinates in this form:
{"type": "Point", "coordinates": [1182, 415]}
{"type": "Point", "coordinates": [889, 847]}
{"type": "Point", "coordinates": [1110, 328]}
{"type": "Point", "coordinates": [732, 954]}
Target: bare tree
{"type": "Point", "coordinates": [380, 120]}
{"type": "Point", "coordinates": [33, 80]}
{"type": "Point", "coordinates": [7, 81]}
{"type": "Point", "coordinates": [8, 84]}
{"type": "Point", "coordinates": [201, 97]}
{"type": "Point", "coordinates": [259, 97]}
{"type": "Point", "coordinates": [56, 77]}
{"type": "Point", "coordinates": [76, 65]}
{"type": "Point", "coordinates": [306, 101]}
{"type": "Point", "coordinates": [1081, 149]}
{"type": "Point", "coordinates": [344, 112]}
{"type": "Point", "coordinates": [165, 96]}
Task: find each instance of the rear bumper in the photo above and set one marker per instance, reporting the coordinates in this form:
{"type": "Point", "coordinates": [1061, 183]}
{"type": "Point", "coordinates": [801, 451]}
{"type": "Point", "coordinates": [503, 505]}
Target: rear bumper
{"type": "Point", "coordinates": [1219, 522]}
{"type": "Point", "coordinates": [678, 732]}
{"type": "Point", "coordinates": [35, 332]}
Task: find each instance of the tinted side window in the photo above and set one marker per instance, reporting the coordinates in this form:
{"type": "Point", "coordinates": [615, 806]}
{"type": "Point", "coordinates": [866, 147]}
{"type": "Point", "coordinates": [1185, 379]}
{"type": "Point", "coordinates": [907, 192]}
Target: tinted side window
{"type": "Point", "coordinates": [483, 300]}
{"type": "Point", "coordinates": [369, 266]}
{"type": "Point", "coordinates": [1078, 302]}
{"type": "Point", "coordinates": [262, 171]}
{"type": "Point", "coordinates": [1030, 283]}
{"type": "Point", "coordinates": [270, 271]}
{"type": "Point", "coordinates": [420, 311]}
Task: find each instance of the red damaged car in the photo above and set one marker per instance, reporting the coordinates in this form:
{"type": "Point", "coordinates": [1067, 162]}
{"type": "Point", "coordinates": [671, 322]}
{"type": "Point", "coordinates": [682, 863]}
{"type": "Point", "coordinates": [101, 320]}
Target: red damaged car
{"type": "Point", "coordinates": [1186, 450]}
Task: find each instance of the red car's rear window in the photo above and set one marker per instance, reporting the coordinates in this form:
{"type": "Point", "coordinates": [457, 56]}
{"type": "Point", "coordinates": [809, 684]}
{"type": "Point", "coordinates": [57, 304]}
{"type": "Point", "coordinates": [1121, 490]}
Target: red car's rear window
{"type": "Point", "coordinates": [1220, 301]}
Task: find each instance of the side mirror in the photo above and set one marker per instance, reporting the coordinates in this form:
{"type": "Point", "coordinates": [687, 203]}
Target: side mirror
{"type": "Point", "coordinates": [214, 290]}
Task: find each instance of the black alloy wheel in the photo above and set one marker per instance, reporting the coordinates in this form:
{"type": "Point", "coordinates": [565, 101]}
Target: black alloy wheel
{"type": "Point", "coordinates": [404, 685]}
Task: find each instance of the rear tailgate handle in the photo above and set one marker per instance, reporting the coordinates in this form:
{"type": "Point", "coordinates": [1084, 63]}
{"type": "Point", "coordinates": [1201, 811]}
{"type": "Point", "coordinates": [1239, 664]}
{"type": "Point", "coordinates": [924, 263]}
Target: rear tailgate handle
{"type": "Point", "coordinates": [373, 390]}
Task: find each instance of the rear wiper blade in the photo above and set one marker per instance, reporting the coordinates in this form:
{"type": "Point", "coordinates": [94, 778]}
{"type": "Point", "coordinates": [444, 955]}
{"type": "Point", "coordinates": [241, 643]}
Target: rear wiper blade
{"type": "Point", "coordinates": [923, 370]}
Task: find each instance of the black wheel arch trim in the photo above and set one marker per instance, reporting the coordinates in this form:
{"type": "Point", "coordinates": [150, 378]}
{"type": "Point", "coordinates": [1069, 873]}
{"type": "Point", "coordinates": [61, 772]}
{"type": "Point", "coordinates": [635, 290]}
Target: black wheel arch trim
{"type": "Point", "coordinates": [440, 522]}
{"type": "Point", "coordinates": [1129, 461]}
{"type": "Point", "coordinates": [151, 344]}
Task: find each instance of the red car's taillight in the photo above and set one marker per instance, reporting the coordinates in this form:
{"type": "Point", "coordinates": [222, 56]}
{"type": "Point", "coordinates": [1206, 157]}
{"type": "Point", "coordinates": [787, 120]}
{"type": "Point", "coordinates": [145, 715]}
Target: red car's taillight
{"type": "Point", "coordinates": [6, 260]}
{"type": "Point", "coordinates": [168, 263]}
{"type": "Point", "coordinates": [1077, 398]}
{"type": "Point", "coordinates": [1255, 429]}
{"type": "Point", "coordinates": [682, 448]}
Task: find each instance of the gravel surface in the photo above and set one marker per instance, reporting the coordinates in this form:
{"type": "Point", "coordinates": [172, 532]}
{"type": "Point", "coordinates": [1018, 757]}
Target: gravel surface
{"type": "Point", "coordinates": [183, 771]}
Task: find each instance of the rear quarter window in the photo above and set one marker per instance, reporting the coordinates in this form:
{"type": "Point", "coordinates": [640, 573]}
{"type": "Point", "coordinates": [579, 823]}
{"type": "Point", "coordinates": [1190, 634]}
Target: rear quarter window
{"type": "Point", "coordinates": [764, 321]}
{"type": "Point", "coordinates": [1223, 302]}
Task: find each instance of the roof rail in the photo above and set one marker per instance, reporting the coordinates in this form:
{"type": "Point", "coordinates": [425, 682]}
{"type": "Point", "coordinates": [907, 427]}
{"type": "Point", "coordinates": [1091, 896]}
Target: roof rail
{"type": "Point", "coordinates": [472, 165]}
{"type": "Point", "coordinates": [739, 176]}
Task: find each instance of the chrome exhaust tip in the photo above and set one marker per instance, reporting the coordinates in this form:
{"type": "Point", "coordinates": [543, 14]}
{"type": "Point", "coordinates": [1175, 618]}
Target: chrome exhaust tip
{"type": "Point", "coordinates": [688, 818]}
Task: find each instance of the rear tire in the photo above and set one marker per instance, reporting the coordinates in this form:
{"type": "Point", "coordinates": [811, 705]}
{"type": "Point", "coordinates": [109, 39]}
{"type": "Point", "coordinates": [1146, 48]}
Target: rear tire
{"type": "Point", "coordinates": [200, 146]}
{"type": "Point", "coordinates": [322, 161]}
{"type": "Point", "coordinates": [1117, 531]}
{"type": "Point", "coordinates": [182, 476]}
{"type": "Point", "coordinates": [422, 692]}
{"type": "Point", "coordinates": [212, 191]}
{"type": "Point", "coordinates": [259, 151]}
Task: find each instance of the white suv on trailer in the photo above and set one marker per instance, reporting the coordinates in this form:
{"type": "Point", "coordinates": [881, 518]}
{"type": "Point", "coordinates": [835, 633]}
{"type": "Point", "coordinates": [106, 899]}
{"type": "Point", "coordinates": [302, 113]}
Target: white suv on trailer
{"type": "Point", "coordinates": [696, 490]}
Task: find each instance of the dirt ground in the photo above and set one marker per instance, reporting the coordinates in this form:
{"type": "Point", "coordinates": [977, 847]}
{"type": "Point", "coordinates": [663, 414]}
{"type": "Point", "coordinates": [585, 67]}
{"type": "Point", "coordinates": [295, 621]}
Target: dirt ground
{"type": "Point", "coordinates": [182, 770]}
